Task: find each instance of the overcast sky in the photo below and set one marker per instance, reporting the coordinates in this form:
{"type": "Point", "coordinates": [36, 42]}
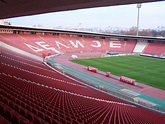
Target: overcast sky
{"type": "Point", "coordinates": [152, 15]}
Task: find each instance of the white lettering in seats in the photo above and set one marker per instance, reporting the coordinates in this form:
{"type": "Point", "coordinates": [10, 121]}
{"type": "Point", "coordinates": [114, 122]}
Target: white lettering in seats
{"type": "Point", "coordinates": [76, 44]}
{"type": "Point", "coordinates": [59, 43]}
{"type": "Point", "coordinates": [36, 49]}
{"type": "Point", "coordinates": [115, 44]}
{"type": "Point", "coordinates": [47, 46]}
{"type": "Point", "coordinates": [96, 43]}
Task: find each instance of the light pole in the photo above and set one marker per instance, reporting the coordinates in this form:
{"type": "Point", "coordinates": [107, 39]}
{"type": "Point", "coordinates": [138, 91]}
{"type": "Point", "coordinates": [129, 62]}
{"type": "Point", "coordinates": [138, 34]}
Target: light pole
{"type": "Point", "coordinates": [138, 6]}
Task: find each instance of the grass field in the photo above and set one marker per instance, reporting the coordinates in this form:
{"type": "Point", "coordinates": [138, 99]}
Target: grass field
{"type": "Point", "coordinates": [149, 71]}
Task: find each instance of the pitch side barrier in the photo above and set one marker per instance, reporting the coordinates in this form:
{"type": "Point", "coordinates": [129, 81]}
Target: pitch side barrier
{"type": "Point", "coordinates": [108, 87]}
{"type": "Point", "coordinates": [153, 56]}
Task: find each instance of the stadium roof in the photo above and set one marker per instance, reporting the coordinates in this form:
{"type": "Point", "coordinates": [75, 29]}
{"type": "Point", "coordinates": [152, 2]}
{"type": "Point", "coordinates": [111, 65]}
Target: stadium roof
{"type": "Point", "coordinates": [80, 33]}
{"type": "Point", "coordinates": [15, 8]}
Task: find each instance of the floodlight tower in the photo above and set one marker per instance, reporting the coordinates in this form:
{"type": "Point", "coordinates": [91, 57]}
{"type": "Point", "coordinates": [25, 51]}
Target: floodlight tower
{"type": "Point", "coordinates": [138, 6]}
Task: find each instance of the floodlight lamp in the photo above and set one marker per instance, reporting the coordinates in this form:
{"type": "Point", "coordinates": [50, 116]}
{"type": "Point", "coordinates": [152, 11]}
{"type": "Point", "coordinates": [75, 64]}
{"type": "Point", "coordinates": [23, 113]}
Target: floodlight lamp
{"type": "Point", "coordinates": [139, 5]}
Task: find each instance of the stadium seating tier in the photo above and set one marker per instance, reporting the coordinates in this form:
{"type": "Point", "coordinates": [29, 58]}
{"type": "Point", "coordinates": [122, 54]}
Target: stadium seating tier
{"type": "Point", "coordinates": [32, 93]}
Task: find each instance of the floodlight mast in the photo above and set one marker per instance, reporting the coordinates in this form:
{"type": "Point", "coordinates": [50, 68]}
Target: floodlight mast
{"type": "Point", "coordinates": [138, 6]}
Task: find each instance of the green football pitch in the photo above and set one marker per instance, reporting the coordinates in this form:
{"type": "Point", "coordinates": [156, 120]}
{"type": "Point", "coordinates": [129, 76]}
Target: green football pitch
{"type": "Point", "coordinates": [149, 71]}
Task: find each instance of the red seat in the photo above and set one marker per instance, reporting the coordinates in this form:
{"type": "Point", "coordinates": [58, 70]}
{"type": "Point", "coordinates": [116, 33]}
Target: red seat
{"type": "Point", "coordinates": [34, 111]}
{"type": "Point", "coordinates": [16, 118]}
{"type": "Point", "coordinates": [1, 98]}
{"type": "Point", "coordinates": [16, 107]}
{"type": "Point", "coordinates": [3, 120]}
{"type": "Point", "coordinates": [2, 108]}
{"type": "Point", "coordinates": [54, 121]}
{"type": "Point", "coordinates": [23, 111]}
{"type": "Point", "coordinates": [24, 121]}
{"type": "Point", "coordinates": [6, 101]}
{"type": "Point", "coordinates": [41, 115]}
{"type": "Point", "coordinates": [28, 107]}
{"type": "Point", "coordinates": [23, 104]}
{"type": "Point", "coordinates": [30, 117]}
{"type": "Point", "coordinates": [37, 120]}
{"type": "Point", "coordinates": [62, 120]}
{"type": "Point", "coordinates": [48, 119]}
{"type": "Point", "coordinates": [11, 105]}
{"type": "Point", "coordinates": [56, 117]}
{"type": "Point", "coordinates": [8, 114]}
{"type": "Point", "coordinates": [49, 114]}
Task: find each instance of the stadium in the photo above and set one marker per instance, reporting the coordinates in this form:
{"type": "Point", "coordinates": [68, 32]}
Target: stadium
{"type": "Point", "coordinates": [73, 77]}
